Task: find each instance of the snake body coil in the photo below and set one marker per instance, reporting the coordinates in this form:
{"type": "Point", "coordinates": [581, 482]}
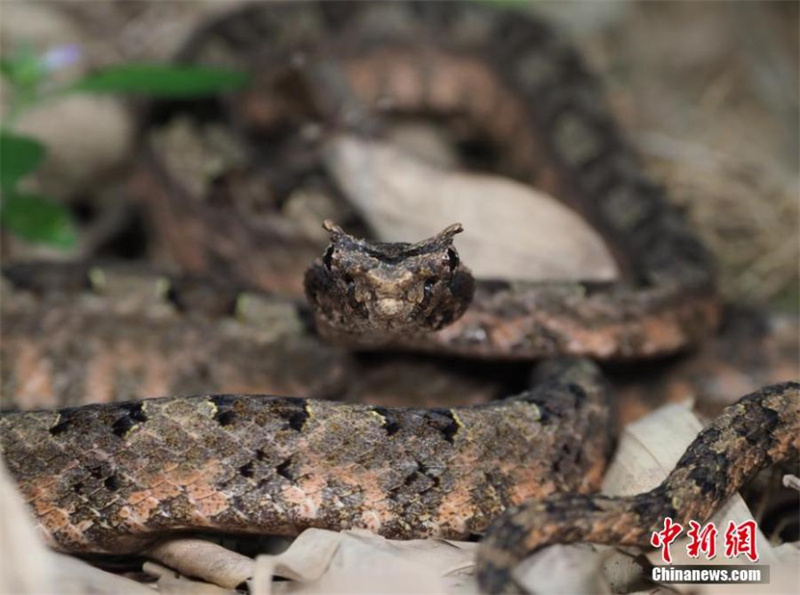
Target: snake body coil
{"type": "Point", "coordinates": [114, 477]}
{"type": "Point", "coordinates": [759, 430]}
{"type": "Point", "coordinates": [528, 95]}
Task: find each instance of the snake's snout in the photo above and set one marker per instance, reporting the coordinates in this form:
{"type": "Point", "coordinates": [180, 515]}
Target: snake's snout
{"type": "Point", "coordinates": [390, 307]}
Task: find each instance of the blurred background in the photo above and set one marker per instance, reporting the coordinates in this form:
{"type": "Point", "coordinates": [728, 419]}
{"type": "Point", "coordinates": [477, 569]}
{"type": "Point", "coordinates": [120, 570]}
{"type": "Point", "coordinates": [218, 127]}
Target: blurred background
{"type": "Point", "coordinates": [707, 91]}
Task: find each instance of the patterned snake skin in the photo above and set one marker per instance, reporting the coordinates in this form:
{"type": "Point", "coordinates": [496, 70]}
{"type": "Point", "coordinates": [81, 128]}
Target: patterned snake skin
{"type": "Point", "coordinates": [115, 477]}
{"type": "Point", "coordinates": [525, 91]}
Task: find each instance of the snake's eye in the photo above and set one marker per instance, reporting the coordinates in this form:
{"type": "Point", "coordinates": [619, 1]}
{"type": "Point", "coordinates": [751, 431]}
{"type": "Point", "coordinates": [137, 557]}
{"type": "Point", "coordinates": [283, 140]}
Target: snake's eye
{"type": "Point", "coordinates": [428, 287]}
{"type": "Point", "coordinates": [452, 259]}
{"type": "Point", "coordinates": [327, 258]}
{"type": "Point", "coordinates": [351, 294]}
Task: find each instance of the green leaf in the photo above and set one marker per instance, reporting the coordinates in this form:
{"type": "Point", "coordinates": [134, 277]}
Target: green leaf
{"type": "Point", "coordinates": [38, 219]}
{"type": "Point", "coordinates": [19, 156]}
{"type": "Point", "coordinates": [24, 67]}
{"type": "Point", "coordinates": [7, 69]}
{"type": "Point", "coordinates": [162, 80]}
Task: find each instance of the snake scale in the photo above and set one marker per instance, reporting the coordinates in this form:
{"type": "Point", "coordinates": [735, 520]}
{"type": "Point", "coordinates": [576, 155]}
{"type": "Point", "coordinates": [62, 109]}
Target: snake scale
{"type": "Point", "coordinates": [248, 463]}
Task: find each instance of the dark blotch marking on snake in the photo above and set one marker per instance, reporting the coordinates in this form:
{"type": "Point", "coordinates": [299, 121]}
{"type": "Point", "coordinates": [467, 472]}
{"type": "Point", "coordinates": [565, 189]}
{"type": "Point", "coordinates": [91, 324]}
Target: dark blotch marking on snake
{"type": "Point", "coordinates": [712, 478]}
{"type": "Point", "coordinates": [443, 420]}
{"type": "Point", "coordinates": [388, 420]}
{"type": "Point", "coordinates": [284, 469]}
{"type": "Point", "coordinates": [112, 483]}
{"type": "Point", "coordinates": [297, 413]}
{"type": "Point", "coordinates": [246, 470]}
{"type": "Point", "coordinates": [556, 401]}
{"type": "Point", "coordinates": [666, 259]}
{"type": "Point", "coordinates": [423, 470]}
{"type": "Point", "coordinates": [224, 414]}
{"type": "Point", "coordinates": [64, 421]}
{"type": "Point", "coordinates": [60, 428]}
{"type": "Point", "coordinates": [134, 415]}
{"type": "Point", "coordinates": [753, 433]}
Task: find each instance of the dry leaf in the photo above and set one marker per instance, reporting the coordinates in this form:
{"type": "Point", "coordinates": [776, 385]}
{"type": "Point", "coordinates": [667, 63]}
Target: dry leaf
{"type": "Point", "coordinates": [648, 451]}
{"type": "Point", "coordinates": [25, 564]}
{"type": "Point", "coordinates": [788, 551]}
{"type": "Point", "coordinates": [624, 571]}
{"type": "Point", "coordinates": [202, 559]}
{"type": "Point", "coordinates": [172, 583]}
{"type": "Point", "coordinates": [27, 567]}
{"type": "Point", "coordinates": [425, 141]}
{"type": "Point", "coordinates": [562, 569]}
{"type": "Point", "coordinates": [361, 562]}
{"type": "Point", "coordinates": [791, 481]}
{"type": "Point", "coordinates": [511, 230]}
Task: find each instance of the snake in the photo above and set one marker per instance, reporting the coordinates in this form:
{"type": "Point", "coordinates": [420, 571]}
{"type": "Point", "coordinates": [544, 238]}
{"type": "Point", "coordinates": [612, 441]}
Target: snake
{"type": "Point", "coordinates": [519, 472]}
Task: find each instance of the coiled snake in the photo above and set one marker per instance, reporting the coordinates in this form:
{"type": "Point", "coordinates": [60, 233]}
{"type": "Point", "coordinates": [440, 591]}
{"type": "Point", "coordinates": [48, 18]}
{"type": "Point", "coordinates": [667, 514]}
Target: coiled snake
{"type": "Point", "coordinates": [112, 478]}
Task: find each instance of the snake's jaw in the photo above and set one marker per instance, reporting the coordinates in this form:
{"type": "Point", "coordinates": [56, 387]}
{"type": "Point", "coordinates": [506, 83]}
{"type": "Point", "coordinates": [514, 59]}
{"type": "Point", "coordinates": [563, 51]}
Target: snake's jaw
{"type": "Point", "coordinates": [389, 289]}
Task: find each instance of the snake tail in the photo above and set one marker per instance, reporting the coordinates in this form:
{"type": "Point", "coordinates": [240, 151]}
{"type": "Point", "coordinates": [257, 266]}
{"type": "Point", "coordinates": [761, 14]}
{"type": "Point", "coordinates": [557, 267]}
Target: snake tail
{"type": "Point", "coordinates": [761, 429]}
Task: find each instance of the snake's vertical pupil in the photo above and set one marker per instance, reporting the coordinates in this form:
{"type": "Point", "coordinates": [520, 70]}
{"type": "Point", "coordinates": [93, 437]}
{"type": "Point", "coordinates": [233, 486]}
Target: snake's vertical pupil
{"type": "Point", "coordinates": [327, 258]}
{"type": "Point", "coordinates": [428, 287]}
{"type": "Point", "coordinates": [452, 259]}
{"type": "Point", "coordinates": [357, 307]}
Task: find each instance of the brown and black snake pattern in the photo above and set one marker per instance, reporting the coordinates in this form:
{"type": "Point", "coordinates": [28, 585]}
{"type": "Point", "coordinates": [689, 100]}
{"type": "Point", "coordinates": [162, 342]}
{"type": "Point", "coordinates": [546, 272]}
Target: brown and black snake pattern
{"type": "Point", "coordinates": [277, 464]}
{"type": "Point", "coordinates": [761, 429]}
{"type": "Point", "coordinates": [525, 91]}
{"type": "Point", "coordinates": [74, 334]}
{"type": "Point", "coordinates": [114, 477]}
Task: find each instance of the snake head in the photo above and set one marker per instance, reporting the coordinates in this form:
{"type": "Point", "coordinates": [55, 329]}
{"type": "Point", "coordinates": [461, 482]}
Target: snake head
{"type": "Point", "coordinates": [360, 286]}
